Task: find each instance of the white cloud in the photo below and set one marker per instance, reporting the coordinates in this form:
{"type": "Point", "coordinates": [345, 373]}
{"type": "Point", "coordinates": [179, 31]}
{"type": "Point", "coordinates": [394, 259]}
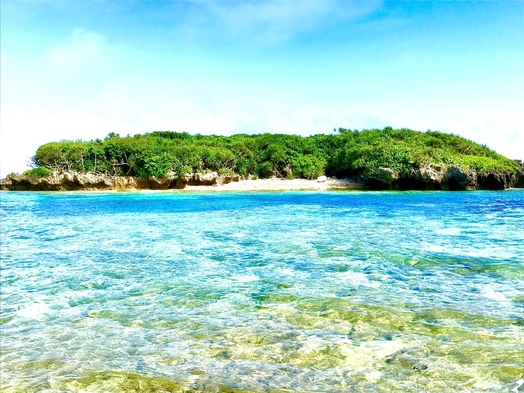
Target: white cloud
{"type": "Point", "coordinates": [81, 51]}
{"type": "Point", "coordinates": [48, 97]}
{"type": "Point", "coordinates": [128, 106]}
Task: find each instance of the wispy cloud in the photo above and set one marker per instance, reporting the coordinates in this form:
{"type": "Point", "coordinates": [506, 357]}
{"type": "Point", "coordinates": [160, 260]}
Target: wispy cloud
{"type": "Point", "coordinates": [79, 65]}
{"type": "Point", "coordinates": [274, 21]}
{"type": "Point", "coordinates": [81, 50]}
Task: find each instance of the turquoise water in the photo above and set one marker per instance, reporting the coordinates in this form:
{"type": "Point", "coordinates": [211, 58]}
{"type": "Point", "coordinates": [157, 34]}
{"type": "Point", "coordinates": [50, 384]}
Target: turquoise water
{"type": "Point", "coordinates": [262, 292]}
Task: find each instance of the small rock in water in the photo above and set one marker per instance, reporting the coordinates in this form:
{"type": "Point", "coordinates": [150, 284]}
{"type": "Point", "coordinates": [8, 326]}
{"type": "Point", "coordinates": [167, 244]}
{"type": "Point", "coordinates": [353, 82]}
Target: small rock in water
{"type": "Point", "coordinates": [420, 366]}
{"type": "Point", "coordinates": [388, 336]}
{"type": "Point", "coordinates": [140, 365]}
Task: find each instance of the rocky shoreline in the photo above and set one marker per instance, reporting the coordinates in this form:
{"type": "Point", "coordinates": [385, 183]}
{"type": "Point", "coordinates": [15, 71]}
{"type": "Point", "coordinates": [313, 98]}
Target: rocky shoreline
{"type": "Point", "coordinates": [441, 177]}
{"type": "Point", "coordinates": [427, 177]}
{"type": "Point", "coordinates": [75, 181]}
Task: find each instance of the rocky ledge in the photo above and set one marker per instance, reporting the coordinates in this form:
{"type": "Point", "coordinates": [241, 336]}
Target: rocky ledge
{"type": "Point", "coordinates": [71, 181]}
{"type": "Point", "coordinates": [440, 177]}
{"type": "Point", "coordinates": [426, 177]}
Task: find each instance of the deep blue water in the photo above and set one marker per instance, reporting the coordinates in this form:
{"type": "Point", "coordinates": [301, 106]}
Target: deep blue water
{"type": "Point", "coordinates": [262, 292]}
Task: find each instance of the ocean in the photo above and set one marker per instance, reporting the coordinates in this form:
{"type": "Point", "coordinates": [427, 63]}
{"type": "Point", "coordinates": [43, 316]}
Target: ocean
{"type": "Point", "coordinates": [262, 292]}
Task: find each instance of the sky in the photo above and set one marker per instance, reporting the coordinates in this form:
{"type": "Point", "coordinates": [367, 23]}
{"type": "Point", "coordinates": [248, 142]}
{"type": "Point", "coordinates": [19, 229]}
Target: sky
{"type": "Point", "coordinates": [80, 69]}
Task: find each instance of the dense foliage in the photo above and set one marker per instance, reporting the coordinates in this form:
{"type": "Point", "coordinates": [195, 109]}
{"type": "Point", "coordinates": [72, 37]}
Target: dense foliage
{"type": "Point", "coordinates": [343, 154]}
{"type": "Point", "coordinates": [39, 172]}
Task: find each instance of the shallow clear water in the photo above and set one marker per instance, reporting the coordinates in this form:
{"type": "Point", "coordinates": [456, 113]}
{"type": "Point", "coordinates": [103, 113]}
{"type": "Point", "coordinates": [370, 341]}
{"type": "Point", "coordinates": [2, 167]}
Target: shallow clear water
{"type": "Point", "coordinates": [262, 292]}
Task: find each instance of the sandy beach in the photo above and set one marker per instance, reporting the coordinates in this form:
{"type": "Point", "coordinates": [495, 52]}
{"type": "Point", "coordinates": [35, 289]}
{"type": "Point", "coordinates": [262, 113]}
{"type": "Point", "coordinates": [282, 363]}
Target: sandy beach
{"type": "Point", "coordinates": [275, 184]}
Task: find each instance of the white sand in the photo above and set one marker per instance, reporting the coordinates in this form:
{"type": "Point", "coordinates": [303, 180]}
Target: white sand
{"type": "Point", "coordinates": [280, 185]}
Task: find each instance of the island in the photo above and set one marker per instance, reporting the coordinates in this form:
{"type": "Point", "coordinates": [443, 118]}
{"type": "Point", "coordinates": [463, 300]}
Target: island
{"type": "Point", "coordinates": [376, 159]}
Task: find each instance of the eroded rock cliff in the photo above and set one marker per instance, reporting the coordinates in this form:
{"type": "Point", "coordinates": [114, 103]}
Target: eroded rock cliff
{"type": "Point", "coordinates": [70, 181]}
{"type": "Point", "coordinates": [426, 177]}
{"type": "Point", "coordinates": [440, 177]}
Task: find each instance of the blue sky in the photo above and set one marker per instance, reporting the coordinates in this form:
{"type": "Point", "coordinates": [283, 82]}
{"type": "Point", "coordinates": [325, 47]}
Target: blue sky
{"type": "Point", "coordinates": [82, 69]}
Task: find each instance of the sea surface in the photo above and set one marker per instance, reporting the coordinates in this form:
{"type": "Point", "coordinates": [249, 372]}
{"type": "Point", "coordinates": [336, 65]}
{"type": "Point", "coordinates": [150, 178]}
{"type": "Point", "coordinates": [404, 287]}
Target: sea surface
{"type": "Point", "coordinates": [262, 292]}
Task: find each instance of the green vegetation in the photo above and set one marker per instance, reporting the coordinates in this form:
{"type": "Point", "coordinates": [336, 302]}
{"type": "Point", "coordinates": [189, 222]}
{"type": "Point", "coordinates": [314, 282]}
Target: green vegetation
{"type": "Point", "coordinates": [38, 172]}
{"type": "Point", "coordinates": [406, 150]}
{"type": "Point", "coordinates": [344, 154]}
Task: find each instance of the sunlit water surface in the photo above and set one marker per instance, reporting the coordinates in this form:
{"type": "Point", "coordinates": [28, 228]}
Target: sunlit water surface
{"type": "Point", "coordinates": [262, 292]}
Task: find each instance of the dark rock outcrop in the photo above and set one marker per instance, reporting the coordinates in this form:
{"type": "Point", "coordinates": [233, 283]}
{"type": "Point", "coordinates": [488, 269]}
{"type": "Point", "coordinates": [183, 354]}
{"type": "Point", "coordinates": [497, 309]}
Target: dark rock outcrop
{"type": "Point", "coordinates": [520, 174]}
{"type": "Point", "coordinates": [440, 177]}
{"type": "Point", "coordinates": [381, 178]}
{"type": "Point", "coordinates": [456, 179]}
{"type": "Point", "coordinates": [496, 180]}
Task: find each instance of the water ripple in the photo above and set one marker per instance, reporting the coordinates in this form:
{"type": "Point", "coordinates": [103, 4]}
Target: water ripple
{"type": "Point", "coordinates": [259, 292]}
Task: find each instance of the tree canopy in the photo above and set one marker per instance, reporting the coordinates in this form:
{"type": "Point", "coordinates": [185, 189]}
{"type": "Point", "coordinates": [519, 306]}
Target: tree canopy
{"type": "Point", "coordinates": [346, 153]}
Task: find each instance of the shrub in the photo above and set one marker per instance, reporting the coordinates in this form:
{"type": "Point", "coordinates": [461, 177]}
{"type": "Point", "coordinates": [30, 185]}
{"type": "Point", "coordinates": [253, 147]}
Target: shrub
{"type": "Point", "coordinates": [38, 172]}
